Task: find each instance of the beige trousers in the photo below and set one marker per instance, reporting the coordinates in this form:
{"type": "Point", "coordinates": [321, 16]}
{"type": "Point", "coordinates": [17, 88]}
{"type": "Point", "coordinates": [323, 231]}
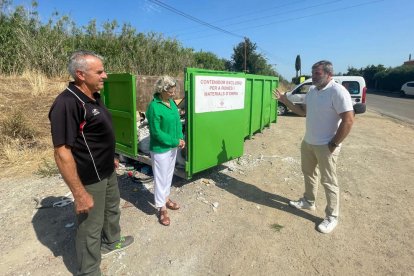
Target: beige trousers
{"type": "Point", "coordinates": [314, 156]}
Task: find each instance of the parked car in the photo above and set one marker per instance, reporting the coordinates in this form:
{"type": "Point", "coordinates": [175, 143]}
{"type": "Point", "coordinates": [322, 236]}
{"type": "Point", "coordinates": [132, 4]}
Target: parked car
{"type": "Point", "coordinates": [407, 89]}
{"type": "Point", "coordinates": [354, 84]}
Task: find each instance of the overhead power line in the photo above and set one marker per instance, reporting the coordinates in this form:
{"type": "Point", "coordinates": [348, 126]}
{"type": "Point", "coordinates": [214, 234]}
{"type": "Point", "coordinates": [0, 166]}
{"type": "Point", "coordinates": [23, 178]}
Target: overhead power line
{"type": "Point", "coordinates": [311, 15]}
{"type": "Point", "coordinates": [174, 10]}
{"type": "Point", "coordinates": [263, 17]}
{"type": "Point", "coordinates": [241, 15]}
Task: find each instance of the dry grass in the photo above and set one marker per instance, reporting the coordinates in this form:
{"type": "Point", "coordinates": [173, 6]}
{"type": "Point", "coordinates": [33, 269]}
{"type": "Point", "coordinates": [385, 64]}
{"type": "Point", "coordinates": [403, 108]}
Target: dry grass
{"type": "Point", "coordinates": [37, 82]}
{"type": "Point", "coordinates": [19, 158]}
{"type": "Point", "coordinates": [32, 82]}
{"type": "Point", "coordinates": [25, 142]}
{"type": "Point", "coordinates": [284, 88]}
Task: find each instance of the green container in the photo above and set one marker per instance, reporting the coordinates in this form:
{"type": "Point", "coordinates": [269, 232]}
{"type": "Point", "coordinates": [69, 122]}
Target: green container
{"type": "Point", "coordinates": [119, 96]}
{"type": "Point", "coordinates": [260, 106]}
{"type": "Point", "coordinates": [215, 118]}
{"type": "Point", "coordinates": [222, 109]}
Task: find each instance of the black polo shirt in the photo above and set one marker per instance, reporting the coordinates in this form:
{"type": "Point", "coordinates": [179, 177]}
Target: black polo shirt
{"type": "Point", "coordinates": [86, 126]}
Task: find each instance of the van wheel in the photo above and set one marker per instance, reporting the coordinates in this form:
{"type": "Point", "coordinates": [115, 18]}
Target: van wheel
{"type": "Point", "coordinates": [281, 109]}
{"type": "Point", "coordinates": [402, 93]}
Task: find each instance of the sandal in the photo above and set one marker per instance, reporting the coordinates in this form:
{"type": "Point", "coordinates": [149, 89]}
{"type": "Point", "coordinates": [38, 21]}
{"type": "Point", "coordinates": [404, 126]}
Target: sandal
{"type": "Point", "coordinates": [163, 218]}
{"type": "Point", "coordinates": [172, 205]}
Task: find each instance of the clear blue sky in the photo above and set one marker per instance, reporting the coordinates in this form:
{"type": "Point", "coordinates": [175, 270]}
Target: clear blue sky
{"type": "Point", "coordinates": [353, 33]}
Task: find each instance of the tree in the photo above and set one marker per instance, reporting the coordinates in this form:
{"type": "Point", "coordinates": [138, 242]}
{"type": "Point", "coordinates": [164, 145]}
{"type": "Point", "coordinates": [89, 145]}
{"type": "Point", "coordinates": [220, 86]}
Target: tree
{"type": "Point", "coordinates": [298, 65]}
{"type": "Point", "coordinates": [352, 71]}
{"type": "Point", "coordinates": [209, 60]}
{"type": "Point", "coordinates": [256, 63]}
{"type": "Point", "coordinates": [369, 72]}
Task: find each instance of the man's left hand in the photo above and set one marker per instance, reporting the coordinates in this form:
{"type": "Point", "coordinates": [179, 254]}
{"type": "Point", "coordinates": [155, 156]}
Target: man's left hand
{"type": "Point", "coordinates": [331, 148]}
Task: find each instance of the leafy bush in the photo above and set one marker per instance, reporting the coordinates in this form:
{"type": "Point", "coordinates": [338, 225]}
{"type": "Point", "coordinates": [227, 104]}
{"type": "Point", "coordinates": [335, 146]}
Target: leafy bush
{"type": "Point", "coordinates": [394, 78]}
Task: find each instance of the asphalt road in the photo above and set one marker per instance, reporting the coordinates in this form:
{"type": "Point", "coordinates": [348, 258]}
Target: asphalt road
{"type": "Point", "coordinates": [392, 105]}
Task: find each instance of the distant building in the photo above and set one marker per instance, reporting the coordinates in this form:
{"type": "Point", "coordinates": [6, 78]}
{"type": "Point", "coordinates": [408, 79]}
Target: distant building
{"type": "Point", "coordinates": [409, 62]}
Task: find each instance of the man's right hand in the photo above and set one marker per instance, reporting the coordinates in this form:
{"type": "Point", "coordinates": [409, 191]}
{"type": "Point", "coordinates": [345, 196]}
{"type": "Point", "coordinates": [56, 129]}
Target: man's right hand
{"type": "Point", "coordinates": [281, 97]}
{"type": "Point", "coordinates": [67, 167]}
{"type": "Point", "coordinates": [83, 203]}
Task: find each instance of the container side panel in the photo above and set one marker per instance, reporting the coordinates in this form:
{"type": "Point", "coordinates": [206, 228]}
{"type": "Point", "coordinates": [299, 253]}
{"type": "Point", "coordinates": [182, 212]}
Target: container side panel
{"type": "Point", "coordinates": [248, 108]}
{"type": "Point", "coordinates": [218, 137]}
{"type": "Point", "coordinates": [267, 102]}
{"type": "Point", "coordinates": [120, 99]}
{"type": "Point", "coordinates": [257, 103]}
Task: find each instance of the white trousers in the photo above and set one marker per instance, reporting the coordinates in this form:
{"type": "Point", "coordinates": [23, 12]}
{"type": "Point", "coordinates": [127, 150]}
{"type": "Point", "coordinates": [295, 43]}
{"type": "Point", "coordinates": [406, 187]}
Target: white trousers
{"type": "Point", "coordinates": [163, 165]}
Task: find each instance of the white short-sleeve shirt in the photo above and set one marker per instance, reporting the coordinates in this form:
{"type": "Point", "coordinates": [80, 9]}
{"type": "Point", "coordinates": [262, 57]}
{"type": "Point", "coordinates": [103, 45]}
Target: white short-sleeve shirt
{"type": "Point", "coordinates": [322, 112]}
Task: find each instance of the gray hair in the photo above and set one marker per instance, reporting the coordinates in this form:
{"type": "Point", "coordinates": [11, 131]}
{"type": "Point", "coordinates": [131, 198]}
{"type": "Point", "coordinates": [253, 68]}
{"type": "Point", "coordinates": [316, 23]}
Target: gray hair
{"type": "Point", "coordinates": [164, 83]}
{"type": "Point", "coordinates": [77, 61]}
{"type": "Point", "coordinates": [326, 66]}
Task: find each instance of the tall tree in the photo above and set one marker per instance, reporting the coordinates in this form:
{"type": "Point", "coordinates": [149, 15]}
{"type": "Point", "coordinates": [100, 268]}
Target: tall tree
{"type": "Point", "coordinates": [298, 65]}
{"type": "Point", "coordinates": [255, 62]}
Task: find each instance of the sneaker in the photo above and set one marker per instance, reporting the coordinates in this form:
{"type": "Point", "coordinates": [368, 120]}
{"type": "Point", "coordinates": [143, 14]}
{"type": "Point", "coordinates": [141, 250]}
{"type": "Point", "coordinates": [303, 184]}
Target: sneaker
{"type": "Point", "coordinates": [123, 243]}
{"type": "Point", "coordinates": [302, 203]}
{"type": "Point", "coordinates": [328, 224]}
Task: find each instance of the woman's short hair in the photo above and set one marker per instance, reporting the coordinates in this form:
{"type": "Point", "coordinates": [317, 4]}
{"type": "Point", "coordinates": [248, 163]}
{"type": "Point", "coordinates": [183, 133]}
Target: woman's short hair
{"type": "Point", "coordinates": [77, 61]}
{"type": "Point", "coordinates": [164, 83]}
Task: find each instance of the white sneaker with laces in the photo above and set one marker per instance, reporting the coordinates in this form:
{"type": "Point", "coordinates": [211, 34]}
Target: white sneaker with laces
{"type": "Point", "coordinates": [328, 224]}
{"type": "Point", "coordinates": [302, 203]}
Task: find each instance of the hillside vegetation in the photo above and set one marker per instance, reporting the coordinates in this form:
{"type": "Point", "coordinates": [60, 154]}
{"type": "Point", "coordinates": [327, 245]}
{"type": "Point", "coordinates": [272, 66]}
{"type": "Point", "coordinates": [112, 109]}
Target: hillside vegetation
{"type": "Point", "coordinates": [45, 47]}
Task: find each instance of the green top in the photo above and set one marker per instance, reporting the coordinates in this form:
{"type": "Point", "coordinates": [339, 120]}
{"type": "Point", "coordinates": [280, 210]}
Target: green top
{"type": "Point", "coordinates": [164, 124]}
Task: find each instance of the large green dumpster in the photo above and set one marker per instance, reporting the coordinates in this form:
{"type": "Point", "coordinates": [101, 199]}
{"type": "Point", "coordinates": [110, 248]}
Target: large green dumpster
{"type": "Point", "coordinates": [222, 109]}
{"type": "Point", "coordinates": [215, 118]}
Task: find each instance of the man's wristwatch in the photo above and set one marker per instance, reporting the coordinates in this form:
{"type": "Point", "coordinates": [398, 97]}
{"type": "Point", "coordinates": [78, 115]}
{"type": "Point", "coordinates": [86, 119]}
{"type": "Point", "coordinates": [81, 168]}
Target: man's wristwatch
{"type": "Point", "coordinates": [333, 144]}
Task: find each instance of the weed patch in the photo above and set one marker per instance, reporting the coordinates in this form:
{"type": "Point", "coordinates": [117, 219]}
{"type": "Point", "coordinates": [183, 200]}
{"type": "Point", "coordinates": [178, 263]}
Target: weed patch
{"type": "Point", "coordinates": [47, 168]}
{"type": "Point", "coordinates": [276, 227]}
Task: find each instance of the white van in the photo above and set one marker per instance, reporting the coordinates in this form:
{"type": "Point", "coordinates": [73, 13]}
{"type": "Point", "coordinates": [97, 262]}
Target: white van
{"type": "Point", "coordinates": [354, 84]}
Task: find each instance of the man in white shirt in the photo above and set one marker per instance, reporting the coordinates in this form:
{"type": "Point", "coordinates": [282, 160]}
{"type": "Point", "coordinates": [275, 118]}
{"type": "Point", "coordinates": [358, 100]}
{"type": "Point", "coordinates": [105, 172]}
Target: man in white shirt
{"type": "Point", "coordinates": [329, 118]}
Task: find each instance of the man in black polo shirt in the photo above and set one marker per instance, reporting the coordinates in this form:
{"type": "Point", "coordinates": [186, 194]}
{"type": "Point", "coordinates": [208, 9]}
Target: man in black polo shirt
{"type": "Point", "coordinates": [84, 144]}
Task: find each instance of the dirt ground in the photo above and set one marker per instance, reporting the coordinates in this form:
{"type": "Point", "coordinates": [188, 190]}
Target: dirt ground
{"type": "Point", "coordinates": [235, 219]}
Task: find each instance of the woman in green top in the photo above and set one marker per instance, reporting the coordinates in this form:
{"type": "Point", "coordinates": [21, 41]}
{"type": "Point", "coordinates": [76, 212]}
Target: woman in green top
{"type": "Point", "coordinates": [166, 136]}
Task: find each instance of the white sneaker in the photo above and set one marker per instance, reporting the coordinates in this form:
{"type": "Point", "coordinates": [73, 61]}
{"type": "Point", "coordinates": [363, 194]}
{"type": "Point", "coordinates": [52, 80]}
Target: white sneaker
{"type": "Point", "coordinates": [302, 203]}
{"type": "Point", "coordinates": [328, 224]}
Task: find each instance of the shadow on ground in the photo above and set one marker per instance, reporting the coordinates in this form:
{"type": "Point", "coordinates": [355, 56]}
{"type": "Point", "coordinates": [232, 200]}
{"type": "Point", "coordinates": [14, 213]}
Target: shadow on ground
{"type": "Point", "coordinates": [55, 228]}
{"type": "Point", "coordinates": [252, 193]}
{"type": "Point", "coordinates": [135, 192]}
